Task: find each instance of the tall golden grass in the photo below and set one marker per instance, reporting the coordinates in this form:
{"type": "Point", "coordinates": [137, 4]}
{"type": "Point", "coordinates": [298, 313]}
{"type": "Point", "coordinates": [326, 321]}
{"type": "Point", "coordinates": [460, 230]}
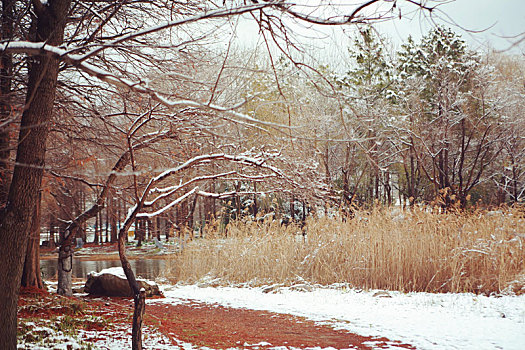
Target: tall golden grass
{"type": "Point", "coordinates": [383, 249]}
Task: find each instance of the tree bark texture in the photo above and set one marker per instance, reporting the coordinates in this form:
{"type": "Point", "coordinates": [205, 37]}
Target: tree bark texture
{"type": "Point", "coordinates": [6, 71]}
{"type": "Point", "coordinates": [65, 269]}
{"type": "Point", "coordinates": [15, 218]}
{"type": "Point", "coordinates": [138, 313]}
{"type": "Point", "coordinates": [139, 295]}
{"type": "Point", "coordinates": [31, 276]}
{"type": "Point", "coordinates": [96, 236]}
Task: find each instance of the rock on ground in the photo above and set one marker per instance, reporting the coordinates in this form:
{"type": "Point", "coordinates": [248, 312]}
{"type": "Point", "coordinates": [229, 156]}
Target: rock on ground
{"type": "Point", "coordinates": [113, 283]}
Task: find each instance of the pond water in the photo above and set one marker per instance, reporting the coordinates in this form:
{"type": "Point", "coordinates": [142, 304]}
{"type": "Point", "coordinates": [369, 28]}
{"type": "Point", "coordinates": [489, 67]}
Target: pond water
{"type": "Point", "coordinates": [146, 268]}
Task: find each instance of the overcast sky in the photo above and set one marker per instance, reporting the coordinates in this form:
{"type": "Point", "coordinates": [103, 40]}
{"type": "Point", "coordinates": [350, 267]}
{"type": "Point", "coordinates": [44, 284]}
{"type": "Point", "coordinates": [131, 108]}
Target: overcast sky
{"type": "Point", "coordinates": [500, 20]}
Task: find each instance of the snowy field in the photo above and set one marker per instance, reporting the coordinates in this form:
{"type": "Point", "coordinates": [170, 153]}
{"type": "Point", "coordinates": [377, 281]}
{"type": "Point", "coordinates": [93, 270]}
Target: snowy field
{"type": "Point", "coordinates": [427, 321]}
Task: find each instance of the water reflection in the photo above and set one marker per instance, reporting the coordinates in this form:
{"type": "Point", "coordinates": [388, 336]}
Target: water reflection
{"type": "Point", "coordinates": [146, 268]}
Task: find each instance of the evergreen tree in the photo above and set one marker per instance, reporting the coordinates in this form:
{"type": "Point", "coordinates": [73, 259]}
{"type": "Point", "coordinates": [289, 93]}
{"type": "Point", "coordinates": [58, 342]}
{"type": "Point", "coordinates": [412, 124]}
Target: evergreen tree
{"type": "Point", "coordinates": [449, 128]}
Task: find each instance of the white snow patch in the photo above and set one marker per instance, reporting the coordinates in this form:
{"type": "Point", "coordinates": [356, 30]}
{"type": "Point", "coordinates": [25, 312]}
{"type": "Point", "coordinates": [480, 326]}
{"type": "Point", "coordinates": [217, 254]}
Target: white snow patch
{"type": "Point", "coordinates": [151, 339]}
{"type": "Point", "coordinates": [427, 321]}
{"type": "Point", "coordinates": [117, 271]}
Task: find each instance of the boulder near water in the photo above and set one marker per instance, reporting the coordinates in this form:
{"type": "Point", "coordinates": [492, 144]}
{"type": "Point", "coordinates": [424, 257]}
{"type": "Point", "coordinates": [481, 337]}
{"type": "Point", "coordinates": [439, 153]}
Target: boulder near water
{"type": "Point", "coordinates": [112, 282]}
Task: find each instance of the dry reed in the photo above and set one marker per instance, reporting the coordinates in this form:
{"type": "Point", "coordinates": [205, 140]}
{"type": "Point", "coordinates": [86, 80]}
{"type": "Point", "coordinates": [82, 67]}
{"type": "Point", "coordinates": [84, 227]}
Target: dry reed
{"type": "Point", "coordinates": [384, 249]}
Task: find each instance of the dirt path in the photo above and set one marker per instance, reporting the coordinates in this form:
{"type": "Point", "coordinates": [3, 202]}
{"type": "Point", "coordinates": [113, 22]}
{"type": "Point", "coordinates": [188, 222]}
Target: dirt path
{"type": "Point", "coordinates": [220, 327]}
{"type": "Point", "coordinates": [196, 323]}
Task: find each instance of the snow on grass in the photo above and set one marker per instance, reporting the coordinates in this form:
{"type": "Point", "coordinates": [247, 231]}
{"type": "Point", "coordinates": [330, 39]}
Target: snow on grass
{"type": "Point", "coordinates": [151, 339]}
{"type": "Point", "coordinates": [94, 340]}
{"type": "Point", "coordinates": [427, 321]}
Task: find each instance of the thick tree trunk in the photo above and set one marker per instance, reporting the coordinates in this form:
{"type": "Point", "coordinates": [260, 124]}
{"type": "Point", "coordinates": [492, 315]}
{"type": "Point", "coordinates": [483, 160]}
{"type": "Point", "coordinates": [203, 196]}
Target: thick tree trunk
{"type": "Point", "coordinates": [15, 218]}
{"type": "Point", "coordinates": [31, 276]}
{"type": "Point", "coordinates": [388, 189]}
{"type": "Point", "coordinates": [167, 228]}
{"type": "Point", "coordinates": [82, 208]}
{"type": "Point", "coordinates": [292, 210]}
{"type": "Point", "coordinates": [6, 68]}
{"type": "Point", "coordinates": [100, 227]}
{"type": "Point", "coordinates": [190, 220]}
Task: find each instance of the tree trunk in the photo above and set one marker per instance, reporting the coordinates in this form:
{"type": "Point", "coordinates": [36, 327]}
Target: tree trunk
{"type": "Point", "coordinates": [83, 225]}
{"type": "Point", "coordinates": [515, 177]}
{"type": "Point", "coordinates": [31, 276]}
{"type": "Point", "coordinates": [167, 228]}
{"type": "Point", "coordinates": [96, 236]}
{"type": "Point", "coordinates": [139, 295]}
{"type": "Point", "coordinates": [292, 210]}
{"type": "Point", "coordinates": [6, 71]}
{"type": "Point", "coordinates": [113, 219]}
{"type": "Point", "coordinates": [388, 188]}
{"type": "Point", "coordinates": [106, 230]}
{"type": "Point", "coordinates": [52, 231]}
{"type": "Point", "coordinates": [15, 218]}
{"type": "Point", "coordinates": [65, 266]}
{"type": "Point", "coordinates": [190, 220]}
{"type": "Point", "coordinates": [100, 227]}
{"type": "Point", "coordinates": [138, 313]}
{"type": "Point", "coordinates": [156, 228]}
{"type": "Point", "coordinates": [139, 232]}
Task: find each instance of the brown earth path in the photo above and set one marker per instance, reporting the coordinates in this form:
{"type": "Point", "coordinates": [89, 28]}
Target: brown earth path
{"type": "Point", "coordinates": [203, 325]}
{"type": "Point", "coordinates": [221, 327]}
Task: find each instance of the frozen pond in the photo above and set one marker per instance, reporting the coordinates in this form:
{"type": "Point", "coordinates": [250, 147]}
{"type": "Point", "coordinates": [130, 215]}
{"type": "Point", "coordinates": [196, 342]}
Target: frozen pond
{"type": "Point", "coordinates": [146, 268]}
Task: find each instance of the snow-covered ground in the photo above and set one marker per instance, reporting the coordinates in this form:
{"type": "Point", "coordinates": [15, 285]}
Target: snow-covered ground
{"type": "Point", "coordinates": [427, 321]}
{"type": "Point", "coordinates": [424, 320]}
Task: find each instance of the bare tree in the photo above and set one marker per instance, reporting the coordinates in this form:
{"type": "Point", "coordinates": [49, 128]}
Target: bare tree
{"type": "Point", "coordinates": [508, 173]}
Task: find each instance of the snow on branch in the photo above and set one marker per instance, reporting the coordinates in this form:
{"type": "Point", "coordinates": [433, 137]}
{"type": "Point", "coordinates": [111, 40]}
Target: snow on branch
{"type": "Point", "coordinates": [67, 55]}
{"type": "Point", "coordinates": [119, 166]}
{"type": "Point", "coordinates": [42, 48]}
{"type": "Point", "coordinates": [230, 194]}
{"type": "Point", "coordinates": [257, 160]}
{"type": "Point", "coordinates": [168, 191]}
{"type": "Point", "coordinates": [223, 12]}
{"type": "Point", "coordinates": [136, 210]}
{"type": "Point", "coordinates": [170, 205]}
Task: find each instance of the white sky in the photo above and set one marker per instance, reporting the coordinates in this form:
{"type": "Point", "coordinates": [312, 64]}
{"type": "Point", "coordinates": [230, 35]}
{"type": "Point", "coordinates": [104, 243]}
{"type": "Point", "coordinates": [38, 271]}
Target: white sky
{"type": "Point", "coordinates": [498, 21]}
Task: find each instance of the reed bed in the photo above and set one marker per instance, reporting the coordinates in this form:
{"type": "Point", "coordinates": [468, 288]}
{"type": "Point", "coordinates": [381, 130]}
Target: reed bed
{"type": "Point", "coordinates": [481, 252]}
